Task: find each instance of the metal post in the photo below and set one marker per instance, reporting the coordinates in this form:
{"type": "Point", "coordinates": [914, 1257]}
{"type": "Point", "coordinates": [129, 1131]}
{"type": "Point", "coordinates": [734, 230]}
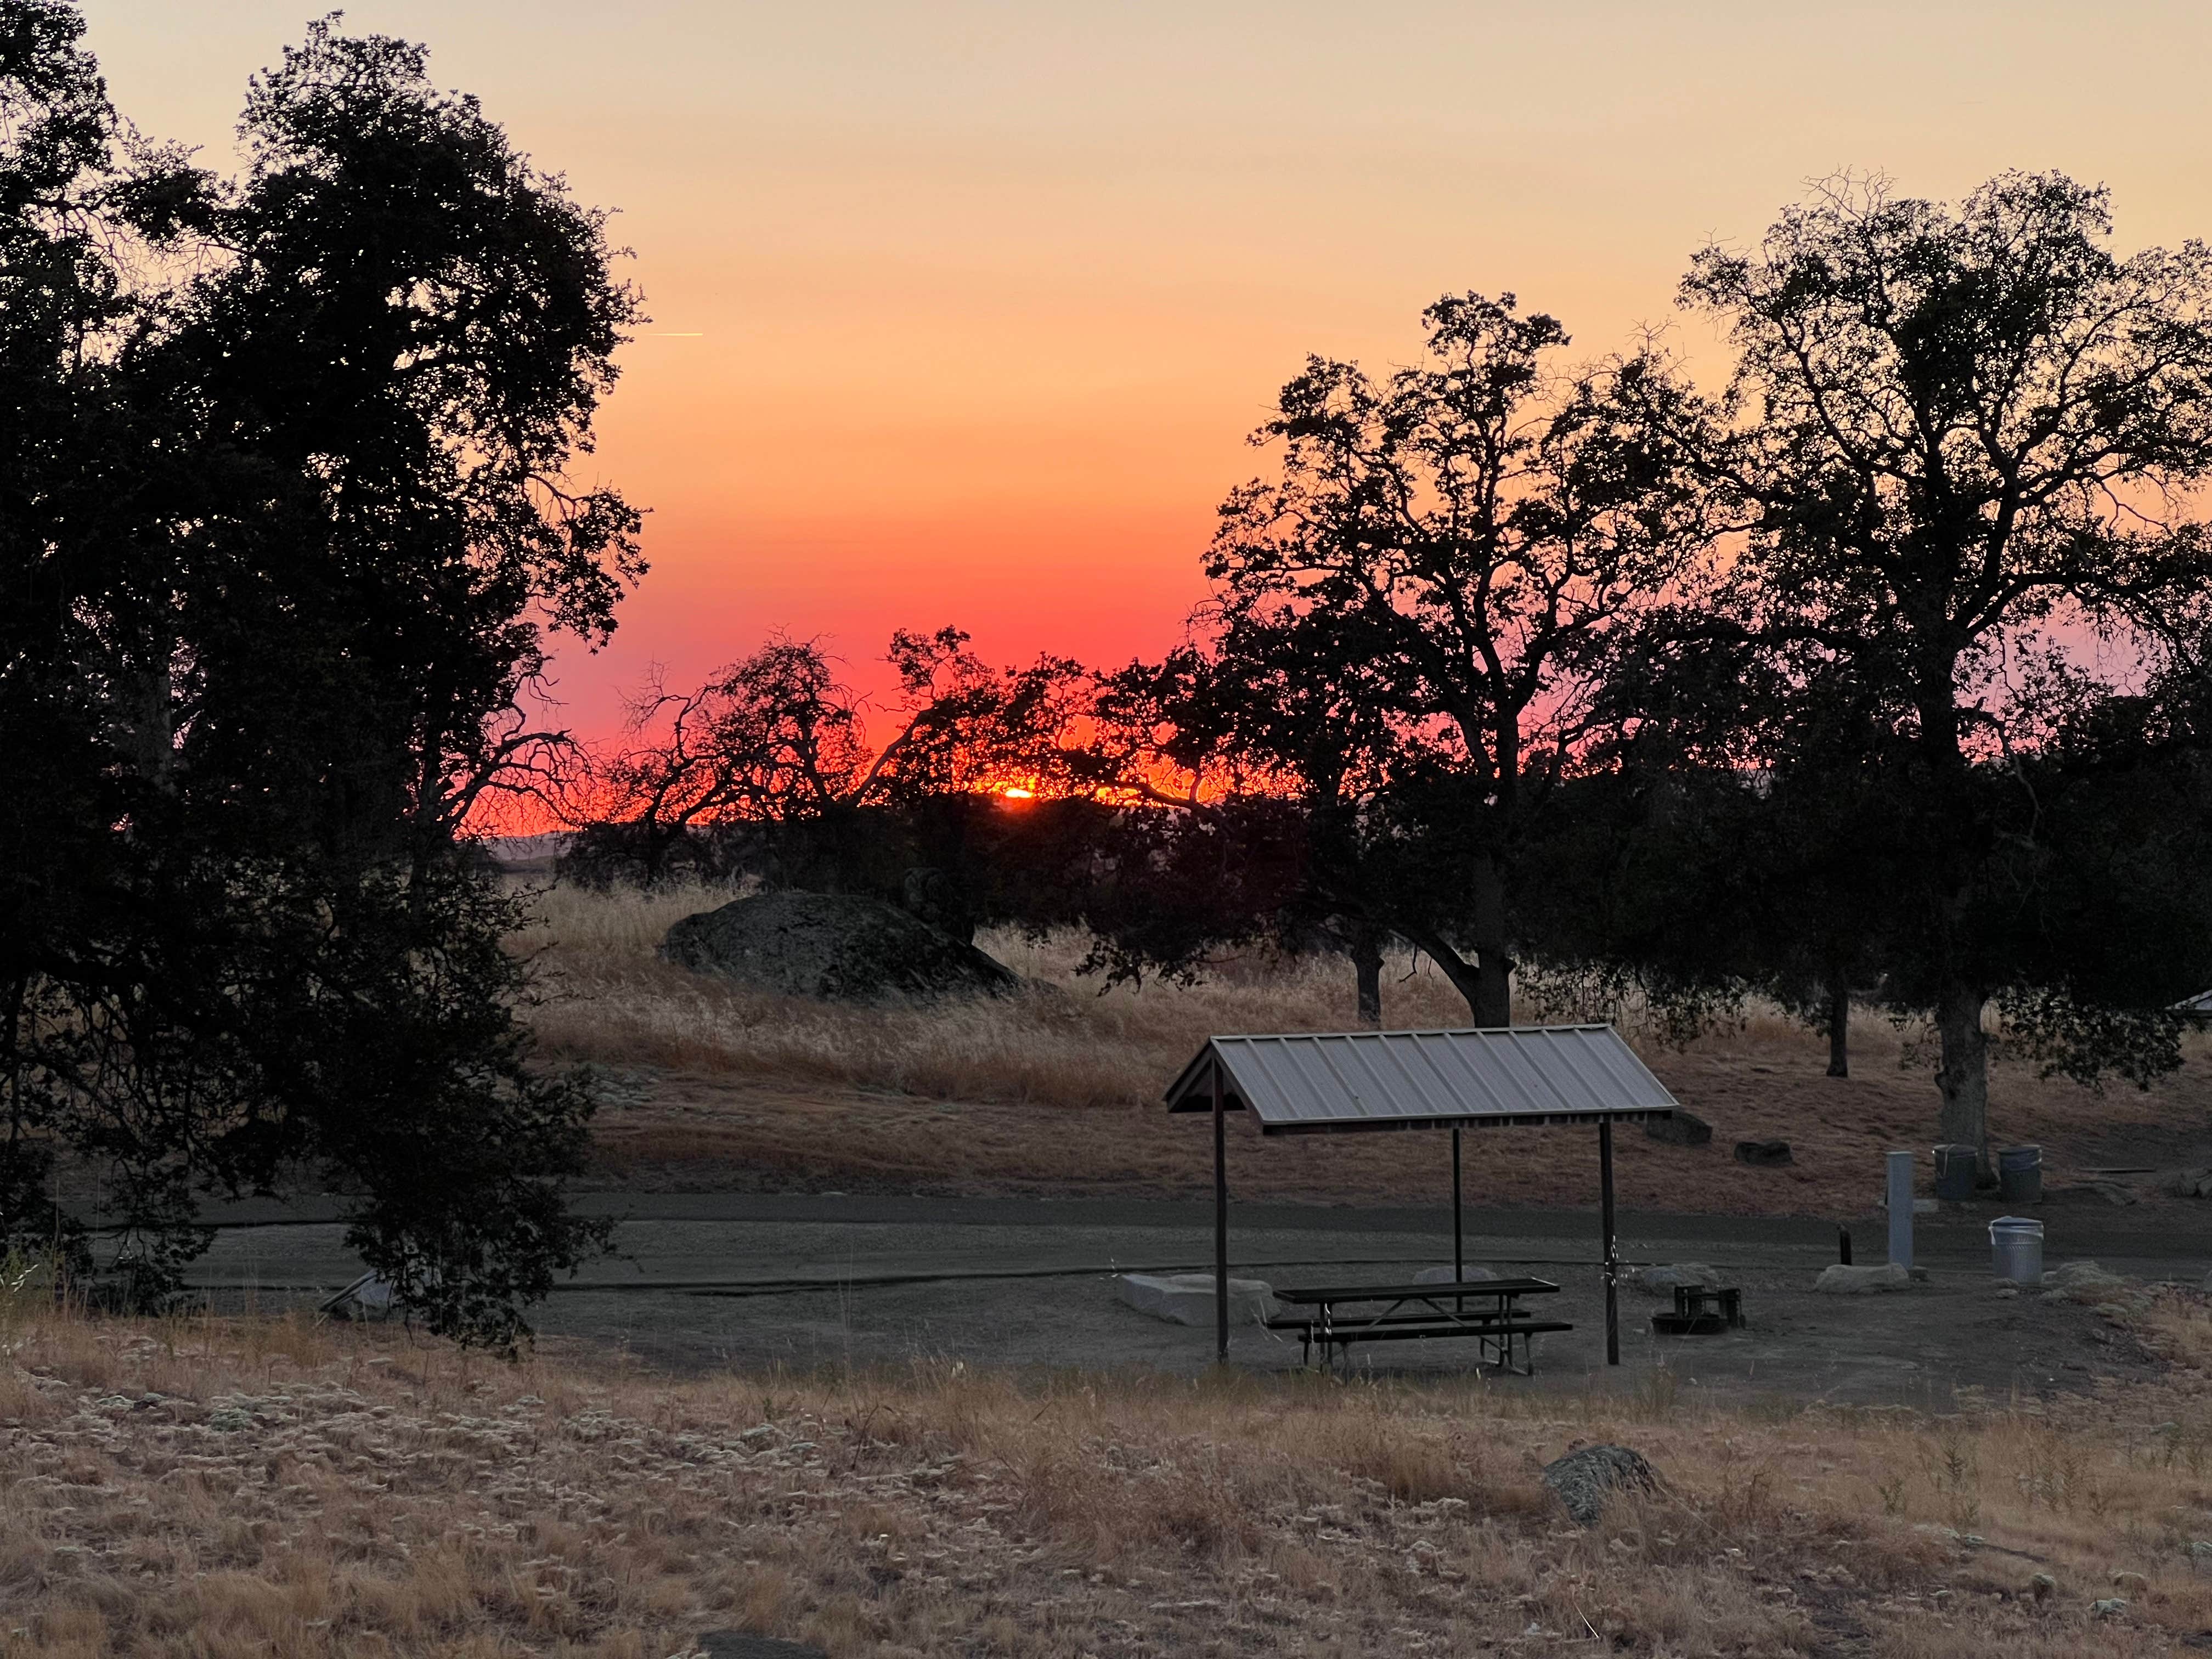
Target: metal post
{"type": "Point", "coordinates": [1612, 1264]}
{"type": "Point", "coordinates": [1900, 1208]}
{"type": "Point", "coordinates": [1220, 1222]}
{"type": "Point", "coordinates": [1459, 1246]}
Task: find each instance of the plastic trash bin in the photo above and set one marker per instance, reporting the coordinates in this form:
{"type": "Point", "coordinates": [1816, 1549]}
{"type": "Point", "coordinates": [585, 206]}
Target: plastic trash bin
{"type": "Point", "coordinates": [1956, 1167]}
{"type": "Point", "coordinates": [2019, 1172]}
{"type": "Point", "coordinates": [2016, 1250]}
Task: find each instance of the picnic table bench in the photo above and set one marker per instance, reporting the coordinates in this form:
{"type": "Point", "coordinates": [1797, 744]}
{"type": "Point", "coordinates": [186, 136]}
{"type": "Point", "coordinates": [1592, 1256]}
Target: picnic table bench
{"type": "Point", "coordinates": [1343, 1315]}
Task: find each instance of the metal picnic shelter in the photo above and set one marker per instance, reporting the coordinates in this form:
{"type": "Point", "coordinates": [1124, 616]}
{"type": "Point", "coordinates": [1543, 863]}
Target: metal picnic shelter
{"type": "Point", "coordinates": [1332, 1083]}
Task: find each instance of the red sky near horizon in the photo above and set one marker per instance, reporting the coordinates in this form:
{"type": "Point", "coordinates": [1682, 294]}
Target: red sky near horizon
{"type": "Point", "coordinates": [962, 311]}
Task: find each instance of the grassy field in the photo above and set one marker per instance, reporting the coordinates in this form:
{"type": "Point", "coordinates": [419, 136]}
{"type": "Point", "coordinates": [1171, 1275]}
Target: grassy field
{"type": "Point", "coordinates": [1056, 1089]}
{"type": "Point", "coordinates": [250, 1487]}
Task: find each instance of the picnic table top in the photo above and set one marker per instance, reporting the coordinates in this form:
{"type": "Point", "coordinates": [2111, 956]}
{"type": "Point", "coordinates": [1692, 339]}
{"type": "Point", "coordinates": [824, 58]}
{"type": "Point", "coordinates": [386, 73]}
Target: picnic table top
{"type": "Point", "coordinates": [1404, 1293]}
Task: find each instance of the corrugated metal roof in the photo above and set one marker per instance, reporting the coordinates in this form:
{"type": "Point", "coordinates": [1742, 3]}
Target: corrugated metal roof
{"type": "Point", "coordinates": [1532, 1074]}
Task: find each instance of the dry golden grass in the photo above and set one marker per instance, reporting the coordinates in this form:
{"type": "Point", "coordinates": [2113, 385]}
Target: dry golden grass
{"type": "Point", "coordinates": [1057, 1089]}
{"type": "Point", "coordinates": [1063, 1042]}
{"type": "Point", "coordinates": [234, 1488]}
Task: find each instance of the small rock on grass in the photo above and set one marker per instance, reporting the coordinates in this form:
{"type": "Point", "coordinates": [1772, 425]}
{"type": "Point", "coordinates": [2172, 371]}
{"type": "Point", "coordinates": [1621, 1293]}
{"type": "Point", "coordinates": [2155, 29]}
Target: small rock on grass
{"type": "Point", "coordinates": [1839, 1279]}
{"type": "Point", "coordinates": [2110, 1607]}
{"type": "Point", "coordinates": [1584, 1479]}
{"type": "Point", "coordinates": [2081, 1276]}
{"type": "Point", "coordinates": [1682, 1129]}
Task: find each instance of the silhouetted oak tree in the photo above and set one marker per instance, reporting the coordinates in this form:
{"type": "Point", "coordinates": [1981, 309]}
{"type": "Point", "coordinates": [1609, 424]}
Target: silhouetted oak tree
{"type": "Point", "coordinates": [287, 519]}
{"type": "Point", "coordinates": [1949, 432]}
{"type": "Point", "coordinates": [1452, 550]}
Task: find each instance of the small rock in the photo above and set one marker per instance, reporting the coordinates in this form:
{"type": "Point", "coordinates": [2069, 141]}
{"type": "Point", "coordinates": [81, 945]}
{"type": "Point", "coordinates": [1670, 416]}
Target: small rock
{"type": "Point", "coordinates": [2084, 1281]}
{"type": "Point", "coordinates": [1683, 1129]}
{"type": "Point", "coordinates": [2071, 1275]}
{"type": "Point", "coordinates": [2007, 1291]}
{"type": "Point", "coordinates": [2132, 1582]}
{"type": "Point", "coordinates": [1662, 1280]}
{"type": "Point", "coordinates": [2110, 1607]}
{"type": "Point", "coordinates": [1585, 1478]}
{"type": "Point", "coordinates": [1838, 1280]}
{"type": "Point", "coordinates": [2041, 1586]}
{"type": "Point", "coordinates": [2200, 1549]}
{"type": "Point", "coordinates": [1763, 1154]}
{"type": "Point", "coordinates": [1188, 1298]}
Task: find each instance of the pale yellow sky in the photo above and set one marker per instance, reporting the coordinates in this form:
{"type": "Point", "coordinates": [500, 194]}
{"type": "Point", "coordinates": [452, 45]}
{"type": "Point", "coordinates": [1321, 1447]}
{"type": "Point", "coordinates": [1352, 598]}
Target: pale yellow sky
{"type": "Point", "coordinates": [987, 297]}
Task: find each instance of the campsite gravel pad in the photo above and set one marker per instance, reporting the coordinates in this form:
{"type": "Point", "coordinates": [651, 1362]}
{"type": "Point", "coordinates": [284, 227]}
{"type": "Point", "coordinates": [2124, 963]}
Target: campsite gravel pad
{"type": "Point", "coordinates": [670, 1301]}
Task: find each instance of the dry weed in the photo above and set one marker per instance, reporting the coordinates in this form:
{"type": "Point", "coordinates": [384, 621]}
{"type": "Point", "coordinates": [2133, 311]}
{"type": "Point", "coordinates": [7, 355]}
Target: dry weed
{"type": "Point", "coordinates": [246, 1487]}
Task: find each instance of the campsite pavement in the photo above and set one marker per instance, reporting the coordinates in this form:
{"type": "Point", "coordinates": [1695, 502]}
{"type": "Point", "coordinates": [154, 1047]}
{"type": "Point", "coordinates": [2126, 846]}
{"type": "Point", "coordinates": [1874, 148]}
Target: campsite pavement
{"type": "Point", "coordinates": [755, 1280]}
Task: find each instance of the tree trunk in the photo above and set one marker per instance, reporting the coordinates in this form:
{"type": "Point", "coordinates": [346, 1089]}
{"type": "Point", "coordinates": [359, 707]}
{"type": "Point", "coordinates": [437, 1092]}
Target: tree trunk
{"type": "Point", "coordinates": [1839, 1028]}
{"type": "Point", "coordinates": [1491, 1002]}
{"type": "Point", "coordinates": [1366, 945]}
{"type": "Point", "coordinates": [1486, 982]}
{"type": "Point", "coordinates": [1964, 1076]}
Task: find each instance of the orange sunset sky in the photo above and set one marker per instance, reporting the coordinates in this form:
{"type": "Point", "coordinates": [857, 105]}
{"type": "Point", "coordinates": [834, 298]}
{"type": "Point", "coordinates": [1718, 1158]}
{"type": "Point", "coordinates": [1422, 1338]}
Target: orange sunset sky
{"type": "Point", "coordinates": [962, 311]}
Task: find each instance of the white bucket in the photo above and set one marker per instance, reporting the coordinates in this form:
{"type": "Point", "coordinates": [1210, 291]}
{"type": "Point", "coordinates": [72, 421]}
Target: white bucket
{"type": "Point", "coordinates": [2016, 1250]}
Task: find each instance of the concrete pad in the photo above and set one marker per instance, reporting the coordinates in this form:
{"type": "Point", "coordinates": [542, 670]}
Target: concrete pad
{"type": "Point", "coordinates": [1188, 1298]}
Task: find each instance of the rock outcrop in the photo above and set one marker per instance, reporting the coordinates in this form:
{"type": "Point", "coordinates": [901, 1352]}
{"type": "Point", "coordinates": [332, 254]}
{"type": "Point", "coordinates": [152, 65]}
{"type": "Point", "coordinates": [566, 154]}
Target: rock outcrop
{"type": "Point", "coordinates": [838, 946]}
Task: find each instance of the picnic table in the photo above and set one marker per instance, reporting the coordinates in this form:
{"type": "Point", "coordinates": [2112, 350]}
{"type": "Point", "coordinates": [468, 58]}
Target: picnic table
{"type": "Point", "coordinates": [1343, 1315]}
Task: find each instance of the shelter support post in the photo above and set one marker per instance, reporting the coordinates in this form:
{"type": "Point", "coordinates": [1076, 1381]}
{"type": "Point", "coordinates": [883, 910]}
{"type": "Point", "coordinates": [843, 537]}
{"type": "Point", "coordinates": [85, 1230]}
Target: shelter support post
{"type": "Point", "coordinates": [1220, 1222]}
{"type": "Point", "coordinates": [1900, 1208]}
{"type": "Point", "coordinates": [1459, 1236]}
{"type": "Point", "coordinates": [1612, 1263]}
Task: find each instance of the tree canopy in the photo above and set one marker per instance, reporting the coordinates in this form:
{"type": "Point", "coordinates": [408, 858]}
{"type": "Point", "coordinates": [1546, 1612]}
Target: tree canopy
{"type": "Point", "coordinates": [289, 521]}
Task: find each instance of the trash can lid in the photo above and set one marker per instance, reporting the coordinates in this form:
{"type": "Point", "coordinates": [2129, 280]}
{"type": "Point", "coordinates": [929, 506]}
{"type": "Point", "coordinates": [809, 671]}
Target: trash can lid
{"type": "Point", "coordinates": [2015, 1223]}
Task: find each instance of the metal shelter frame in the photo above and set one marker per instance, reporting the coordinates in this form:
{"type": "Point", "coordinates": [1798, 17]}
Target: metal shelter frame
{"type": "Point", "coordinates": [1339, 1082]}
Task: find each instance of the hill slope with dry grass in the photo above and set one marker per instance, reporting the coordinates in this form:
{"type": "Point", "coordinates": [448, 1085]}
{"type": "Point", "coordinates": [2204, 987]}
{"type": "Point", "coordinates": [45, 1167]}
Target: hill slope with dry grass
{"type": "Point", "coordinates": [227, 1489]}
{"type": "Point", "coordinates": [706, 1084]}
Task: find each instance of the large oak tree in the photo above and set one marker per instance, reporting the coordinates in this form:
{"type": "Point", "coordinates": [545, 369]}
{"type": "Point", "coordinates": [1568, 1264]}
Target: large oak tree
{"type": "Point", "coordinates": [1455, 549]}
{"type": "Point", "coordinates": [288, 517]}
{"type": "Point", "coordinates": [1957, 442]}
